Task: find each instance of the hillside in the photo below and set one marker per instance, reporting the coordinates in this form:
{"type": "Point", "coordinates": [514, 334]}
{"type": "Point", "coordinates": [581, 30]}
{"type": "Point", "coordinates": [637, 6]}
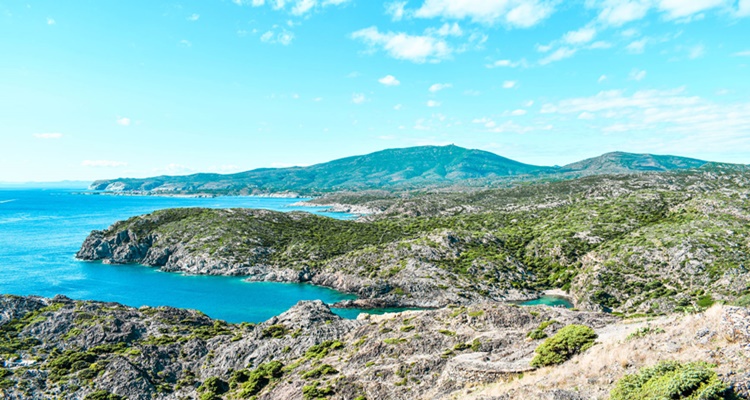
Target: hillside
{"type": "Point", "coordinates": [633, 244]}
{"type": "Point", "coordinates": [397, 169]}
{"type": "Point", "coordinates": [65, 349]}
{"type": "Point", "coordinates": [619, 163]}
{"type": "Point", "coordinates": [403, 168]}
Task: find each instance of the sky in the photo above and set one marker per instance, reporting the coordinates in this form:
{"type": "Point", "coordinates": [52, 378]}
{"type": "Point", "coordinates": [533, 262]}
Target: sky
{"type": "Point", "coordinates": [97, 89]}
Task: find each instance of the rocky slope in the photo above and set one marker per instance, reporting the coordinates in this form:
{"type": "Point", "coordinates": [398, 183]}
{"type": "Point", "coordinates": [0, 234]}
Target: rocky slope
{"type": "Point", "coordinates": [634, 244]}
{"type": "Point", "coordinates": [64, 349]}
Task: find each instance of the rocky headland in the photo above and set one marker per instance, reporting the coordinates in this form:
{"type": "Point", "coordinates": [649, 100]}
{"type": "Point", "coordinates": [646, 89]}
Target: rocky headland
{"type": "Point", "coordinates": [646, 244]}
{"type": "Point", "coordinates": [65, 349]}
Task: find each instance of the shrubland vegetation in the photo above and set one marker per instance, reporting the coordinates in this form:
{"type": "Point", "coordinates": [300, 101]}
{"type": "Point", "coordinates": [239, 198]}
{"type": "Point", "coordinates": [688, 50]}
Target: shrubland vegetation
{"type": "Point", "coordinates": [649, 243]}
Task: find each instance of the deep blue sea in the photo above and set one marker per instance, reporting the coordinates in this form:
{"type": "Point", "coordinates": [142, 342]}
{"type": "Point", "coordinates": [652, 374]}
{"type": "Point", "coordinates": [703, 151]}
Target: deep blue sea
{"type": "Point", "coordinates": [41, 230]}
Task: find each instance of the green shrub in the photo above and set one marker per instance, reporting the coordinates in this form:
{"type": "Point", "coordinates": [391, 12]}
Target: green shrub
{"type": "Point", "coordinates": [321, 370]}
{"type": "Point", "coordinates": [277, 331]}
{"type": "Point", "coordinates": [672, 380]}
{"type": "Point", "coordinates": [705, 301]}
{"type": "Point", "coordinates": [743, 301]}
{"type": "Point", "coordinates": [314, 392]}
{"type": "Point", "coordinates": [566, 343]}
{"type": "Point", "coordinates": [252, 382]}
{"type": "Point", "coordinates": [102, 395]}
{"type": "Point", "coordinates": [212, 387]}
{"type": "Point", "coordinates": [321, 350]}
{"type": "Point", "coordinates": [644, 331]}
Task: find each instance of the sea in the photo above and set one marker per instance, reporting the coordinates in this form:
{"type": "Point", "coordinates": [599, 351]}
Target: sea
{"type": "Point", "coordinates": [42, 229]}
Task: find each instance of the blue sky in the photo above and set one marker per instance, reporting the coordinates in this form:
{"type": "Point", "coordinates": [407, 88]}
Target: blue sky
{"type": "Point", "coordinates": [100, 88]}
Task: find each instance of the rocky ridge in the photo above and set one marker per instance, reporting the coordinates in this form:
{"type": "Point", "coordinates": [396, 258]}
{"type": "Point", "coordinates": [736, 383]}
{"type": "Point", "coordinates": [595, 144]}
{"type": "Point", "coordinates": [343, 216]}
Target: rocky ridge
{"type": "Point", "coordinates": [64, 349]}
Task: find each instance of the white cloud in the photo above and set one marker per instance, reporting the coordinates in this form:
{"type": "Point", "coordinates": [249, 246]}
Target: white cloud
{"type": "Point", "coordinates": [50, 21]}
{"type": "Point", "coordinates": [697, 51]}
{"type": "Point", "coordinates": [510, 84]}
{"type": "Point", "coordinates": [685, 123]}
{"type": "Point", "coordinates": [602, 79]}
{"type": "Point", "coordinates": [586, 116]}
{"type": "Point", "coordinates": [123, 121]}
{"type": "Point", "coordinates": [581, 36]}
{"type": "Point", "coordinates": [508, 64]}
{"type": "Point", "coordinates": [439, 86]}
{"type": "Point", "coordinates": [389, 80]}
{"type": "Point", "coordinates": [395, 10]}
{"type": "Point", "coordinates": [619, 12]}
{"type": "Point", "coordinates": [277, 36]}
{"type": "Point", "coordinates": [414, 48]}
{"type": "Point", "coordinates": [559, 54]}
{"type": "Point", "coordinates": [637, 75]}
{"type": "Point", "coordinates": [358, 98]}
{"type": "Point", "coordinates": [743, 8]}
{"type": "Point", "coordinates": [682, 8]}
{"type": "Point", "coordinates": [513, 13]}
{"type": "Point", "coordinates": [518, 113]}
{"type": "Point", "coordinates": [636, 47]}
{"type": "Point", "coordinates": [433, 103]}
{"type": "Point", "coordinates": [193, 17]}
{"type": "Point", "coordinates": [446, 30]}
{"type": "Point", "coordinates": [745, 53]}
{"type": "Point", "coordinates": [48, 135]}
{"type": "Point", "coordinates": [103, 163]}
{"type": "Point", "coordinates": [185, 43]}
{"type": "Point", "coordinates": [298, 7]}
{"type": "Point", "coordinates": [398, 107]}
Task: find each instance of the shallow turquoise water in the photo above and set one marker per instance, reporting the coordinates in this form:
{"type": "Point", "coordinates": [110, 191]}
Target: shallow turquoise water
{"type": "Point", "coordinates": [41, 230]}
{"type": "Point", "coordinates": [549, 301]}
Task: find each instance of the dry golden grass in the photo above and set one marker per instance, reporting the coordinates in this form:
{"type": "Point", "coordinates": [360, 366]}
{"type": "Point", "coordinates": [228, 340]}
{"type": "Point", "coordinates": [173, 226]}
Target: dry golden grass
{"type": "Point", "coordinates": [594, 373]}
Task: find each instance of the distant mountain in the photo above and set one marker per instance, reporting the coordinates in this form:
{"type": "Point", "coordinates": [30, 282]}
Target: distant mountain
{"type": "Point", "coordinates": [406, 168]}
{"type": "Point", "coordinates": [619, 163]}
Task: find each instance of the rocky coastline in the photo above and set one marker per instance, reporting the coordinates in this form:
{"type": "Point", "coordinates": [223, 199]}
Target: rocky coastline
{"type": "Point", "coordinates": [81, 350]}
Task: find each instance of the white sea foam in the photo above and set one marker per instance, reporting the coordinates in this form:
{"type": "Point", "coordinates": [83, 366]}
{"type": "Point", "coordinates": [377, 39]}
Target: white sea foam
{"type": "Point", "coordinates": [6, 201]}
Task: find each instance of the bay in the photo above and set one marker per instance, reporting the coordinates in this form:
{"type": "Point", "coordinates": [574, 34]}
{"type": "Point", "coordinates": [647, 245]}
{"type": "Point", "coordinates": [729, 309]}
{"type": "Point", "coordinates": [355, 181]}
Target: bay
{"type": "Point", "coordinates": [41, 230]}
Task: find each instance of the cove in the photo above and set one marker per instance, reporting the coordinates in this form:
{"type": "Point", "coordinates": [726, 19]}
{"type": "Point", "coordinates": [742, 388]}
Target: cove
{"type": "Point", "coordinates": [41, 230]}
{"type": "Point", "coordinates": [549, 300]}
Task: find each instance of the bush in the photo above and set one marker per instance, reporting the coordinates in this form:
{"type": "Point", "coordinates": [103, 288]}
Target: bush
{"type": "Point", "coordinates": [252, 382]}
{"type": "Point", "coordinates": [313, 392]}
{"type": "Point", "coordinates": [566, 343]}
{"type": "Point", "coordinates": [321, 350]}
{"type": "Point", "coordinates": [672, 380]}
{"type": "Point", "coordinates": [705, 301]}
{"type": "Point", "coordinates": [275, 331]}
{"type": "Point", "coordinates": [102, 395]}
{"type": "Point", "coordinates": [321, 370]}
{"type": "Point", "coordinates": [212, 387]}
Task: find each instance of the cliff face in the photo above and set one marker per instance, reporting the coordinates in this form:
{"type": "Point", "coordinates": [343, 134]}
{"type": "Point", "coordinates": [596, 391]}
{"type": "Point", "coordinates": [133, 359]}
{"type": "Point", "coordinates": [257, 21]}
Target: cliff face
{"type": "Point", "coordinates": [64, 349]}
{"type": "Point", "coordinates": [278, 247]}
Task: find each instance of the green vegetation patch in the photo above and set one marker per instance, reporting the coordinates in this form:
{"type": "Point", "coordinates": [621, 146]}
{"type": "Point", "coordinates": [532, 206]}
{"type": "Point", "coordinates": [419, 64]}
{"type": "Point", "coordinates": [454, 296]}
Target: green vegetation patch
{"type": "Point", "coordinates": [567, 342]}
{"type": "Point", "coordinates": [249, 383]}
{"type": "Point", "coordinates": [321, 350]}
{"type": "Point", "coordinates": [672, 380]}
{"type": "Point", "coordinates": [102, 395]}
{"type": "Point", "coordinates": [277, 331]}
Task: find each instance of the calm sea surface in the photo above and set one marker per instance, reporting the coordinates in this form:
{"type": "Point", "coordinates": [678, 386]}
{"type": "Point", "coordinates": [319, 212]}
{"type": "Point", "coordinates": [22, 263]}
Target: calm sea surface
{"type": "Point", "coordinates": [41, 230]}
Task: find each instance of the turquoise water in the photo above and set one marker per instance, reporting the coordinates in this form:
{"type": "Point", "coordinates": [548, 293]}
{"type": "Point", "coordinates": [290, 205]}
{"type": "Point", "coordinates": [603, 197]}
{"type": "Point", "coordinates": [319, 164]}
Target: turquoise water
{"type": "Point", "coordinates": [549, 301]}
{"type": "Point", "coordinates": [41, 230]}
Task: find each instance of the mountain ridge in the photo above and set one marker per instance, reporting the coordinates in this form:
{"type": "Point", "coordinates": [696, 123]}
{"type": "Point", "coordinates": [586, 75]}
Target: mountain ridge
{"type": "Point", "coordinates": [399, 168]}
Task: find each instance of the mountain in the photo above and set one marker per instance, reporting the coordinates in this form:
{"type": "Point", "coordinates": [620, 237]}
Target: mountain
{"type": "Point", "coordinates": [406, 168]}
{"type": "Point", "coordinates": [619, 162]}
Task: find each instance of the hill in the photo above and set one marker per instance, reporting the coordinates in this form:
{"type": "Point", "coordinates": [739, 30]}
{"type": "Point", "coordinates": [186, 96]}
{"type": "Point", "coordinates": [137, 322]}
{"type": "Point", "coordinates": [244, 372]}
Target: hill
{"type": "Point", "coordinates": [398, 169]}
{"type": "Point", "coordinates": [619, 162]}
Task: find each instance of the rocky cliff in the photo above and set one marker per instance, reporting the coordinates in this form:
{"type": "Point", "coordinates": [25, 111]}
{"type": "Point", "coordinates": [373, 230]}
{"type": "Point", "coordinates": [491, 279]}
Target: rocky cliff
{"type": "Point", "coordinates": [64, 349]}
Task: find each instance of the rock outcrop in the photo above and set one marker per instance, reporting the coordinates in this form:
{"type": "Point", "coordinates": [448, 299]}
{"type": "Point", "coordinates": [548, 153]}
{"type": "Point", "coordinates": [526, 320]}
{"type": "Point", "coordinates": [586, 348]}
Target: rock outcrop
{"type": "Point", "coordinates": [64, 349]}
